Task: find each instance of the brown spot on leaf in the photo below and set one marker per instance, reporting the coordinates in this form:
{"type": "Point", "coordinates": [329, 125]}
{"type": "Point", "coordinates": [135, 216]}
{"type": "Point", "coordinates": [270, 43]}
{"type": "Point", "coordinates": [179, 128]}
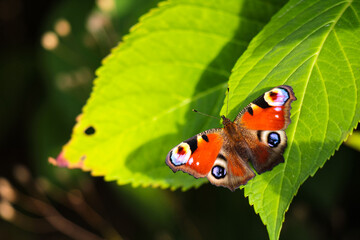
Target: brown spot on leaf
{"type": "Point", "coordinates": [90, 131]}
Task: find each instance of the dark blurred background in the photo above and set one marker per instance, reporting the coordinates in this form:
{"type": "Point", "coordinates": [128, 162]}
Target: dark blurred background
{"type": "Point", "coordinates": [49, 53]}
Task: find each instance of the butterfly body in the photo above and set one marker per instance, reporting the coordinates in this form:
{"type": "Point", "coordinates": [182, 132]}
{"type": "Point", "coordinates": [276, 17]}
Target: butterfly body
{"type": "Point", "coordinates": [256, 136]}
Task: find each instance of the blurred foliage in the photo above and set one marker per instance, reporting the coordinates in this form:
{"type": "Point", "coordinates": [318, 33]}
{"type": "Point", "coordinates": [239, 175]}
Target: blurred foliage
{"type": "Point", "coordinates": [354, 141]}
{"type": "Point", "coordinates": [42, 93]}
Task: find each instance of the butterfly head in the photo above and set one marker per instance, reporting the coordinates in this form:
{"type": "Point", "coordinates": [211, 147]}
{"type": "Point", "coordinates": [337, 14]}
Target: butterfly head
{"type": "Point", "coordinates": [225, 120]}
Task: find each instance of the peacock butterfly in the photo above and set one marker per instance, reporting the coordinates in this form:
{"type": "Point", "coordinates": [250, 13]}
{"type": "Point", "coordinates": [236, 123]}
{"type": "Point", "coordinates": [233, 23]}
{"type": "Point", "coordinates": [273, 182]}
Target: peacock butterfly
{"type": "Point", "coordinates": [256, 135]}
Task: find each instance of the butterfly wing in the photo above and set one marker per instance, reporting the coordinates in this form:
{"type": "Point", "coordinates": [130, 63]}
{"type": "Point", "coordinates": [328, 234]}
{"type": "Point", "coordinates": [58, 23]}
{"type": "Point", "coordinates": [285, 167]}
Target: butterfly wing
{"type": "Point", "coordinates": [263, 123]}
{"type": "Point", "coordinates": [257, 135]}
{"type": "Point", "coordinates": [209, 154]}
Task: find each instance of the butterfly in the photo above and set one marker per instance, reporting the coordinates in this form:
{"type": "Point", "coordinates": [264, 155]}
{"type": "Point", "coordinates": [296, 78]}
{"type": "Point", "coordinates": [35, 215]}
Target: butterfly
{"type": "Point", "coordinates": [256, 136]}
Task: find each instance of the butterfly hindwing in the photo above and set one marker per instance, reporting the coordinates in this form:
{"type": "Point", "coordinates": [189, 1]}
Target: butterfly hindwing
{"type": "Point", "coordinates": [266, 148]}
{"type": "Point", "coordinates": [230, 170]}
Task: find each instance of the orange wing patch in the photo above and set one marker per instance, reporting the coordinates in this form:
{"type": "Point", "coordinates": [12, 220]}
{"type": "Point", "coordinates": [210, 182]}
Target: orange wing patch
{"type": "Point", "coordinates": [206, 153]}
{"type": "Point", "coordinates": [271, 118]}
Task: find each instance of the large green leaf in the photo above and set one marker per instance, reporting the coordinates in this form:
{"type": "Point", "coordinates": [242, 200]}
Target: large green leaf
{"type": "Point", "coordinates": [313, 46]}
{"type": "Point", "coordinates": [180, 56]}
{"type": "Point", "coordinates": [177, 58]}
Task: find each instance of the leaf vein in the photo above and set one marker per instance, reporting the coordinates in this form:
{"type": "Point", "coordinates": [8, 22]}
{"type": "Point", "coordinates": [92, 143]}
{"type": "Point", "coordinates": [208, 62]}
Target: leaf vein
{"type": "Point", "coordinates": [327, 109]}
{"type": "Point", "coordinates": [355, 12]}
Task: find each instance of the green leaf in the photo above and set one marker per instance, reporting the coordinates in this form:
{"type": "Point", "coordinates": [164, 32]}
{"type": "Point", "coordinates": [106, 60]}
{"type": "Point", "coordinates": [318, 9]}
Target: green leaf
{"type": "Point", "coordinates": [177, 58]}
{"type": "Point", "coordinates": [314, 47]}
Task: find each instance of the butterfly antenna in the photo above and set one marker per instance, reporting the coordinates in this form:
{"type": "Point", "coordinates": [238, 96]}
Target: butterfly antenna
{"type": "Point", "coordinates": [227, 101]}
{"type": "Point", "coordinates": [204, 114]}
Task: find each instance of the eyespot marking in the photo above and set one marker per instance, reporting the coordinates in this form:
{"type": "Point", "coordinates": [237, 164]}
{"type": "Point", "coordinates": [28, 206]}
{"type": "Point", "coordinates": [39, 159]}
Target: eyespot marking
{"type": "Point", "coordinates": [273, 139]}
{"type": "Point", "coordinates": [277, 97]}
{"type": "Point", "coordinates": [273, 95]}
{"type": "Point", "coordinates": [180, 150]}
{"type": "Point", "coordinates": [218, 172]}
{"type": "Point", "coordinates": [180, 154]}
